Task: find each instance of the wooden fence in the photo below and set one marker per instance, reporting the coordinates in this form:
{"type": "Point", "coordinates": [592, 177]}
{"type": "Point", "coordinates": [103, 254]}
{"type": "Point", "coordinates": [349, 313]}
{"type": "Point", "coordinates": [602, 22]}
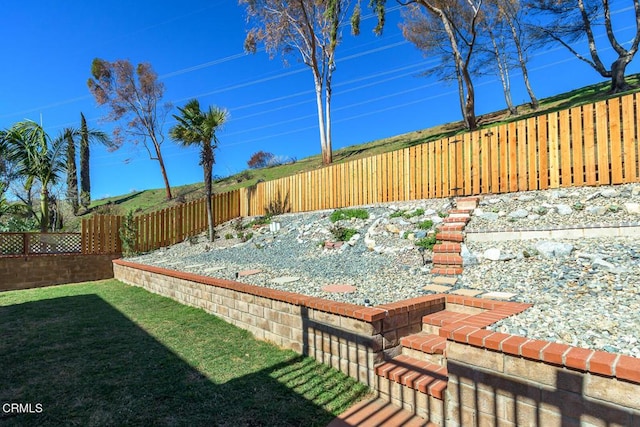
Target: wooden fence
{"type": "Point", "coordinates": [100, 233]}
{"type": "Point", "coordinates": [593, 144]}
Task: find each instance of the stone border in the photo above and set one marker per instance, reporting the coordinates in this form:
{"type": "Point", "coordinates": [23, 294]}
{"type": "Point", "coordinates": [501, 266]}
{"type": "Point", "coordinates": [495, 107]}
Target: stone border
{"type": "Point", "coordinates": [578, 232]}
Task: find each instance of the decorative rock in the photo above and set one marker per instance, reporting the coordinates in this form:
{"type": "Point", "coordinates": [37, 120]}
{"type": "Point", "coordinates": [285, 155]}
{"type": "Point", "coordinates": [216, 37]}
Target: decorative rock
{"type": "Point", "coordinates": [564, 209]}
{"type": "Point", "coordinates": [392, 228]}
{"type": "Point", "coordinates": [420, 234]}
{"type": "Point", "coordinates": [632, 208]}
{"type": "Point", "coordinates": [490, 216]}
{"type": "Point", "coordinates": [533, 217]}
{"type": "Point", "coordinates": [436, 219]}
{"type": "Point", "coordinates": [609, 192]}
{"type": "Point", "coordinates": [468, 258]}
{"type": "Point", "coordinates": [596, 210]}
{"type": "Point", "coordinates": [609, 267]}
{"type": "Point", "coordinates": [353, 240]}
{"type": "Point", "coordinates": [495, 254]}
{"type": "Point", "coordinates": [635, 191]}
{"type": "Point", "coordinates": [339, 288]}
{"type": "Point", "coordinates": [519, 213]}
{"type": "Point", "coordinates": [553, 249]}
{"type": "Point", "coordinates": [526, 198]}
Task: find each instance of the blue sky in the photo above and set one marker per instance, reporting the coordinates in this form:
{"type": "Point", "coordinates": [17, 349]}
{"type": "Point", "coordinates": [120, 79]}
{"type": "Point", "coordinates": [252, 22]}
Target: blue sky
{"type": "Point", "coordinates": [196, 48]}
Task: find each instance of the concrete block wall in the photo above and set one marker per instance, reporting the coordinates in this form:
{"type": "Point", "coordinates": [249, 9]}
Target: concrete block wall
{"type": "Point", "coordinates": [501, 379]}
{"type": "Point", "coordinates": [493, 378]}
{"type": "Point", "coordinates": [33, 271]}
{"type": "Point", "coordinates": [348, 337]}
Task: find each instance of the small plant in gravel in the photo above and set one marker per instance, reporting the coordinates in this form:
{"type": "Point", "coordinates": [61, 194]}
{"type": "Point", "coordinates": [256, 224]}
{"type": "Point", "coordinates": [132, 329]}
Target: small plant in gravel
{"type": "Point", "coordinates": [263, 220]}
{"type": "Point", "coordinates": [278, 205]}
{"type": "Point", "coordinates": [613, 208]}
{"type": "Point", "coordinates": [343, 234]}
{"type": "Point", "coordinates": [237, 224]}
{"type": "Point", "coordinates": [245, 236]}
{"type": "Point", "coordinates": [425, 225]}
{"type": "Point", "coordinates": [578, 206]}
{"type": "Point", "coordinates": [426, 242]}
{"type": "Point", "coordinates": [405, 235]}
{"type": "Point", "coordinates": [540, 210]}
{"type": "Point", "coordinates": [417, 212]}
{"type": "Point", "coordinates": [397, 214]}
{"type": "Point", "coordinates": [442, 214]}
{"type": "Point", "coordinates": [341, 214]}
{"type": "Point", "coordinates": [228, 236]}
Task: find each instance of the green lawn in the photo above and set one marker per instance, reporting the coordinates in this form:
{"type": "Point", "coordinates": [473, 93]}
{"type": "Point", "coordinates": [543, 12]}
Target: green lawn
{"type": "Point", "coordinates": [105, 353]}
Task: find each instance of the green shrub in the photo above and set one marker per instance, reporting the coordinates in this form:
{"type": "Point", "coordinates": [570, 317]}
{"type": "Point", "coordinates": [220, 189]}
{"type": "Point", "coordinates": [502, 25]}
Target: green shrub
{"type": "Point", "coordinates": [129, 235]}
{"type": "Point", "coordinates": [427, 242]}
{"type": "Point", "coordinates": [228, 236]}
{"type": "Point", "coordinates": [578, 206]}
{"type": "Point", "coordinates": [417, 212]}
{"type": "Point", "coordinates": [442, 214]}
{"type": "Point", "coordinates": [425, 225]}
{"type": "Point", "coordinates": [340, 214]}
{"type": "Point", "coordinates": [343, 234]}
{"type": "Point", "coordinates": [278, 206]}
{"type": "Point", "coordinates": [244, 237]}
{"type": "Point", "coordinates": [397, 214]}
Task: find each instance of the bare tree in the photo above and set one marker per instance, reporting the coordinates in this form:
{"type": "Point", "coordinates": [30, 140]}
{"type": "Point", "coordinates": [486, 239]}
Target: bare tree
{"type": "Point", "coordinates": [310, 28]}
{"type": "Point", "coordinates": [132, 95]}
{"type": "Point", "coordinates": [458, 22]}
{"type": "Point", "coordinates": [567, 22]}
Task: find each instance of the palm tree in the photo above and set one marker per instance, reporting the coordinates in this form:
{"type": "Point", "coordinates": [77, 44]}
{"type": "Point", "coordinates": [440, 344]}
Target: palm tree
{"type": "Point", "coordinates": [86, 136]}
{"type": "Point", "coordinates": [37, 157]}
{"type": "Point", "coordinates": [199, 127]}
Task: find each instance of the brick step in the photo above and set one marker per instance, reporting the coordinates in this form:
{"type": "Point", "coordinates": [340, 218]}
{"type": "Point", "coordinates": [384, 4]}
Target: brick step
{"type": "Point", "coordinates": [450, 227]}
{"type": "Point", "coordinates": [446, 270]}
{"type": "Point", "coordinates": [467, 203]}
{"type": "Point", "coordinates": [447, 259]}
{"type": "Point", "coordinates": [460, 212]}
{"type": "Point", "coordinates": [431, 323]}
{"type": "Point", "coordinates": [424, 377]}
{"type": "Point", "coordinates": [450, 236]}
{"type": "Point", "coordinates": [424, 342]}
{"type": "Point", "coordinates": [447, 248]}
{"type": "Point", "coordinates": [378, 413]}
{"type": "Point", "coordinates": [456, 220]}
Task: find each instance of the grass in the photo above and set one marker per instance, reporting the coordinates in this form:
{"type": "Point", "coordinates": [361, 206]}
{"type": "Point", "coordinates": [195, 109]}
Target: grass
{"type": "Point", "coordinates": [150, 200]}
{"type": "Point", "coordinates": [105, 353]}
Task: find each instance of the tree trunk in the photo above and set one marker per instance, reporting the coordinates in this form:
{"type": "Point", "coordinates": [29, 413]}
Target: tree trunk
{"type": "Point", "coordinates": [328, 159]}
{"type": "Point", "coordinates": [72, 176]}
{"type": "Point", "coordinates": [44, 208]}
{"type": "Point", "coordinates": [470, 101]}
{"type": "Point", "coordinates": [325, 149]}
{"type": "Point", "coordinates": [85, 180]}
{"type": "Point", "coordinates": [207, 165]}
{"type": "Point", "coordinates": [618, 81]}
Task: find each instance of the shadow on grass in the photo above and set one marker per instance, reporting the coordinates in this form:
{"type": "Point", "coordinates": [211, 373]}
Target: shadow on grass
{"type": "Point", "coordinates": [88, 364]}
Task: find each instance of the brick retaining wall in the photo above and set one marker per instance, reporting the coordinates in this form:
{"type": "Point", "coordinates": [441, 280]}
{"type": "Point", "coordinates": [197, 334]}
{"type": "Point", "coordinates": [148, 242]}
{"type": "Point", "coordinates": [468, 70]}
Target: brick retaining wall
{"type": "Point", "coordinates": [493, 378]}
{"type": "Point", "coordinates": [33, 271]}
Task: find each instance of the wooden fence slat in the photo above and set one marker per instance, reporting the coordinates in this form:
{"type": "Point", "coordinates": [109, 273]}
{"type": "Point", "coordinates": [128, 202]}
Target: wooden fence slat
{"type": "Point", "coordinates": [564, 139]}
{"type": "Point", "coordinates": [629, 154]}
{"type": "Point", "coordinates": [615, 136]}
{"type": "Point", "coordinates": [513, 156]}
{"type": "Point", "coordinates": [602, 142]}
{"type": "Point", "coordinates": [532, 148]}
{"type": "Point", "coordinates": [577, 144]}
{"type": "Point", "coordinates": [523, 167]}
{"type": "Point", "coordinates": [554, 148]}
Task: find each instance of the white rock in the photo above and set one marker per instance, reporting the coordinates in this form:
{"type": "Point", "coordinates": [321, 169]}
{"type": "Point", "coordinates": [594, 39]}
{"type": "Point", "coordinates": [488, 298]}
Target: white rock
{"type": "Point", "coordinates": [553, 249]}
{"type": "Point", "coordinates": [492, 254]}
{"type": "Point", "coordinates": [632, 208]}
{"type": "Point", "coordinates": [596, 210]}
{"type": "Point", "coordinates": [564, 209]}
{"type": "Point", "coordinates": [519, 213]}
{"type": "Point", "coordinates": [609, 192]}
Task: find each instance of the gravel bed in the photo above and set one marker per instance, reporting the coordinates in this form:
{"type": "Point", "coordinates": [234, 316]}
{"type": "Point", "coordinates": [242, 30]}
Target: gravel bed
{"type": "Point", "coordinates": [587, 298]}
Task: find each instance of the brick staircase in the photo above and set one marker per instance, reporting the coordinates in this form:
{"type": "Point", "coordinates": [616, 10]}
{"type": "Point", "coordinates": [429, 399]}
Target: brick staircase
{"type": "Point", "coordinates": [416, 379]}
{"type": "Point", "coordinates": [447, 260]}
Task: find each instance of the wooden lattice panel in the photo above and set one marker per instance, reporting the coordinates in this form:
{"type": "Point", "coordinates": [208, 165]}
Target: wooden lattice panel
{"type": "Point", "coordinates": [55, 243]}
{"type": "Point", "coordinates": [11, 243]}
